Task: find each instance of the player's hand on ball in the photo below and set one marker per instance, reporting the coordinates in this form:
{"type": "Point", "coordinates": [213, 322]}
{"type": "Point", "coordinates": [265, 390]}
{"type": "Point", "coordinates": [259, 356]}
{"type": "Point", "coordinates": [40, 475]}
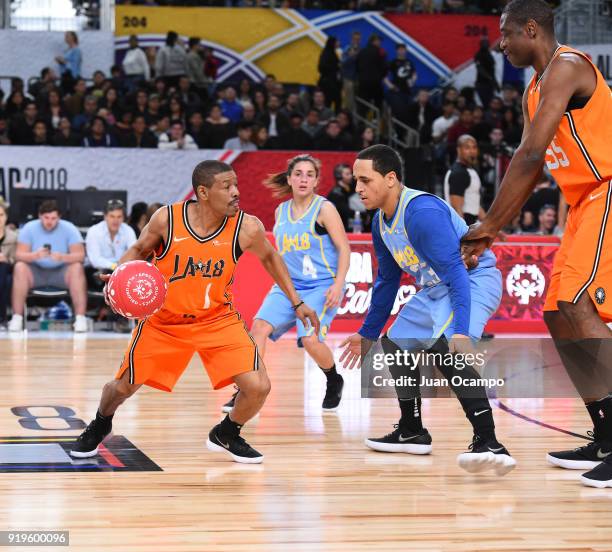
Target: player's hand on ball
{"type": "Point", "coordinates": [461, 344]}
{"type": "Point", "coordinates": [333, 295]}
{"type": "Point", "coordinates": [308, 317]}
{"type": "Point", "coordinates": [351, 356]}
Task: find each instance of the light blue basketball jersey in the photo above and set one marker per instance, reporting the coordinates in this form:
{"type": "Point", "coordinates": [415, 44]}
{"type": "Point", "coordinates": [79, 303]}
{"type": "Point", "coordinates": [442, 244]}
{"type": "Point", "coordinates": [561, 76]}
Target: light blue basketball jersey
{"type": "Point", "coordinates": [395, 236]}
{"type": "Point", "coordinates": [312, 259]}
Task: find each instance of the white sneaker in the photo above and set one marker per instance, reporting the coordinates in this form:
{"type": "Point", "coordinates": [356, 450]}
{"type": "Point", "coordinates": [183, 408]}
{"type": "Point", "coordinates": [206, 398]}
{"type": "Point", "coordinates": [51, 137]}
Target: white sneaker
{"type": "Point", "coordinates": [16, 323]}
{"type": "Point", "coordinates": [80, 323]}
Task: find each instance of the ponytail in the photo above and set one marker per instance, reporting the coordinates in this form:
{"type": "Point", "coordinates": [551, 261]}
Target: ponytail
{"type": "Point", "coordinates": [279, 182]}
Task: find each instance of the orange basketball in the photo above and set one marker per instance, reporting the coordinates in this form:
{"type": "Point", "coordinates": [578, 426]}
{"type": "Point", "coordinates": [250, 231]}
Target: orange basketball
{"type": "Point", "coordinates": [136, 289]}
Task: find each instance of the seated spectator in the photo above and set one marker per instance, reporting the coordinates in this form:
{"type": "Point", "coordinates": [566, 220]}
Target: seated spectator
{"type": "Point", "coordinates": [547, 220]}
{"type": "Point", "coordinates": [249, 114]}
{"type": "Point", "coordinates": [82, 120]}
{"type": "Point", "coordinates": [511, 97]}
{"type": "Point", "coordinates": [22, 126]}
{"type": "Point", "coordinates": [366, 139]}
{"type": "Point", "coordinates": [494, 113]}
{"type": "Point", "coordinates": [15, 104]}
{"type": "Point", "coordinates": [245, 92]}
{"type": "Point", "coordinates": [443, 123]}
{"type": "Point", "coordinates": [53, 109]}
{"type": "Point", "coordinates": [263, 140]}
{"type": "Point", "coordinates": [196, 128]}
{"type": "Point", "coordinates": [75, 102]}
{"type": "Point", "coordinates": [142, 100]}
{"type": "Point", "coordinates": [340, 193]}
{"type": "Point", "coordinates": [138, 217]}
{"type": "Point", "coordinates": [480, 129]}
{"type": "Point", "coordinates": [461, 127]}
{"type": "Point", "coordinates": [312, 125]}
{"type": "Point", "coordinates": [97, 88]}
{"type": "Point", "coordinates": [513, 132]}
{"type": "Point", "coordinates": [176, 109]}
{"type": "Point", "coordinates": [331, 139]}
{"type": "Point", "coordinates": [111, 102]}
{"type": "Point", "coordinates": [135, 65]}
{"type": "Point", "coordinates": [44, 84]}
{"type": "Point", "coordinates": [98, 137]}
{"type": "Point", "coordinates": [110, 238]}
{"type": "Point", "coordinates": [260, 100]}
{"type": "Point", "coordinates": [40, 134]}
{"type": "Point", "coordinates": [230, 107]}
{"type": "Point", "coordinates": [65, 136]}
{"type": "Point", "coordinates": [153, 112]}
{"type": "Point", "coordinates": [244, 140]}
{"type": "Point", "coordinates": [275, 122]}
{"type": "Point", "coordinates": [162, 126]}
{"type": "Point", "coordinates": [49, 253]}
{"type": "Point", "coordinates": [188, 97]}
{"type": "Point", "coordinates": [4, 130]}
{"type": "Point", "coordinates": [8, 245]}
{"type": "Point", "coordinates": [292, 105]}
{"type": "Point", "coordinates": [140, 136]}
{"type": "Point", "coordinates": [217, 128]}
{"type": "Point", "coordinates": [421, 115]}
{"type": "Point", "coordinates": [345, 120]}
{"type": "Point", "coordinates": [296, 138]}
{"type": "Point", "coordinates": [177, 138]}
{"type": "Point", "coordinates": [318, 103]}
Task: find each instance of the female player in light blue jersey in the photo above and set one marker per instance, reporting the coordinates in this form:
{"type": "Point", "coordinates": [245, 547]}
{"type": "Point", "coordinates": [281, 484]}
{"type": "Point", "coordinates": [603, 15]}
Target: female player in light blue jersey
{"type": "Point", "coordinates": [311, 239]}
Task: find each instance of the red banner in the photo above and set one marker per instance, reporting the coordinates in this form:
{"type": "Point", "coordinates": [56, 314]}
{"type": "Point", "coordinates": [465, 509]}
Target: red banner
{"type": "Point", "coordinates": [525, 263]}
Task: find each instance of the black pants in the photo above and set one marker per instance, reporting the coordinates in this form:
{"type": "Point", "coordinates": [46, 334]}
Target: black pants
{"type": "Point", "coordinates": [6, 281]}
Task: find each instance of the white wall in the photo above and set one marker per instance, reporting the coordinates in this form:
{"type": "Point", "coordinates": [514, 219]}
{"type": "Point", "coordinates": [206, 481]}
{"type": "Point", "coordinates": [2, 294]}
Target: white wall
{"type": "Point", "coordinates": [25, 53]}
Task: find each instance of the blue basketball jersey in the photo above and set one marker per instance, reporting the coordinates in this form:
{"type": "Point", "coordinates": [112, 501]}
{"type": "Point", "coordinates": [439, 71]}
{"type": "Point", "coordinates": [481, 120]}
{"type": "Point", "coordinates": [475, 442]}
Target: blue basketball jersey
{"type": "Point", "coordinates": [312, 259]}
{"type": "Point", "coordinates": [395, 236]}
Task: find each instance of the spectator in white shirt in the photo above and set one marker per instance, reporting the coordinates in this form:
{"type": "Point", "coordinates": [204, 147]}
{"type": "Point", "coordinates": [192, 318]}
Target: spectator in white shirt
{"type": "Point", "coordinates": [176, 138]}
{"type": "Point", "coordinates": [244, 140]}
{"type": "Point", "coordinates": [108, 240]}
{"type": "Point", "coordinates": [444, 122]}
{"type": "Point", "coordinates": [135, 65]}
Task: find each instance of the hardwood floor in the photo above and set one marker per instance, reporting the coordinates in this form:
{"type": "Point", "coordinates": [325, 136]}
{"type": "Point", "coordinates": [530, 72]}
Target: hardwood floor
{"type": "Point", "coordinates": [319, 488]}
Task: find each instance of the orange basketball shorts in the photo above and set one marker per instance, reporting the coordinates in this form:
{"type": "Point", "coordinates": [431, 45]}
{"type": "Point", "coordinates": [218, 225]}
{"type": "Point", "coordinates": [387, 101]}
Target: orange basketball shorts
{"type": "Point", "coordinates": [583, 263]}
{"type": "Point", "coordinates": [158, 353]}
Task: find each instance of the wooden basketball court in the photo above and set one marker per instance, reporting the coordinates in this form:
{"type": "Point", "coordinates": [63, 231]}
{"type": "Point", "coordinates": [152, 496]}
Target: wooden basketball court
{"type": "Point", "coordinates": [319, 488]}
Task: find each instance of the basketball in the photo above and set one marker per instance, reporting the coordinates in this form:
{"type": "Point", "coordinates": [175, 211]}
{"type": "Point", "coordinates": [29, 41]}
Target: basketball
{"type": "Point", "coordinates": [136, 289]}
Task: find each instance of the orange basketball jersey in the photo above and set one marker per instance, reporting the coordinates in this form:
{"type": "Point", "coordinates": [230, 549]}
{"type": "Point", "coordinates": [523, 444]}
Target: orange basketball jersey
{"type": "Point", "coordinates": [579, 156]}
{"type": "Point", "coordinates": [199, 269]}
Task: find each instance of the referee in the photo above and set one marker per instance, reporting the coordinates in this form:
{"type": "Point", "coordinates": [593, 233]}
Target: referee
{"type": "Point", "coordinates": [462, 183]}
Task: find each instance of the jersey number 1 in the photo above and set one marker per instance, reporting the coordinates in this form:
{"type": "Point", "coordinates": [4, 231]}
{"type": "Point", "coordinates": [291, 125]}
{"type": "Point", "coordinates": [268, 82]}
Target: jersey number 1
{"type": "Point", "coordinates": [308, 268]}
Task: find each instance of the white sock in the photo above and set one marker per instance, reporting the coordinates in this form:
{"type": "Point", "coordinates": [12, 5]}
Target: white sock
{"type": "Point", "coordinates": [17, 317]}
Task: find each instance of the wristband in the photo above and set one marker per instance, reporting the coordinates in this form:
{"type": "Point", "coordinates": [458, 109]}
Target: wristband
{"type": "Point", "coordinates": [113, 266]}
{"type": "Point", "coordinates": [296, 307]}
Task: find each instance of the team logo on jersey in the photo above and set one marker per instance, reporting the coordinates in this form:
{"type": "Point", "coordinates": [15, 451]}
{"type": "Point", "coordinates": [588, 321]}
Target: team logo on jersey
{"type": "Point", "coordinates": [295, 242]}
{"type": "Point", "coordinates": [191, 268]}
{"type": "Point", "coordinates": [525, 282]}
{"type": "Point", "coordinates": [600, 296]}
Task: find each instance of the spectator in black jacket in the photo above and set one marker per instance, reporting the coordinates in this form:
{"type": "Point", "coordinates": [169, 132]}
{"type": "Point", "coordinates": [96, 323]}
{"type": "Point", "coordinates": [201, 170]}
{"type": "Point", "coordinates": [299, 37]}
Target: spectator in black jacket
{"type": "Point", "coordinates": [332, 139]}
{"type": "Point", "coordinates": [296, 138]}
{"type": "Point", "coordinates": [98, 137]}
{"type": "Point", "coordinates": [486, 83]}
{"type": "Point", "coordinates": [421, 116]}
{"type": "Point", "coordinates": [22, 125]}
{"type": "Point", "coordinates": [340, 193]}
{"type": "Point", "coordinates": [65, 136]}
{"type": "Point", "coordinates": [371, 70]}
{"type": "Point", "coordinates": [275, 122]}
{"type": "Point", "coordinates": [329, 73]}
{"type": "Point", "coordinates": [141, 136]}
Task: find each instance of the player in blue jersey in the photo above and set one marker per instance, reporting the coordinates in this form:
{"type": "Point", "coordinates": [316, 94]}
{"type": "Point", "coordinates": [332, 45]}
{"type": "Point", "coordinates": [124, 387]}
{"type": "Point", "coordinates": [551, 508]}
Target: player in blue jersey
{"type": "Point", "coordinates": [418, 233]}
{"type": "Point", "coordinates": [310, 238]}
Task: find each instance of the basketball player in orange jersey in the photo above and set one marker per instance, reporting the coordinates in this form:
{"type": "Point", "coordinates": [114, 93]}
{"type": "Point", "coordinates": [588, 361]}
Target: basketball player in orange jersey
{"type": "Point", "coordinates": [568, 126]}
{"type": "Point", "coordinates": [197, 245]}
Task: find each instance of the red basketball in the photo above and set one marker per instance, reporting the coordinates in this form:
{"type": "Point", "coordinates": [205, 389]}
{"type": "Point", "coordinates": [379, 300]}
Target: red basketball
{"type": "Point", "coordinates": [136, 289]}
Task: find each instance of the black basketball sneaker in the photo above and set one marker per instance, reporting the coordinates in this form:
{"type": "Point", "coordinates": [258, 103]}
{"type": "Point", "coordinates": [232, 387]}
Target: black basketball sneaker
{"type": "Point", "coordinates": [402, 440]}
{"type": "Point", "coordinates": [333, 393]}
{"type": "Point", "coordinates": [486, 454]}
{"type": "Point", "coordinates": [585, 457]}
{"type": "Point", "coordinates": [86, 444]}
{"type": "Point", "coordinates": [229, 405]}
{"type": "Point", "coordinates": [600, 476]}
{"type": "Point", "coordinates": [236, 447]}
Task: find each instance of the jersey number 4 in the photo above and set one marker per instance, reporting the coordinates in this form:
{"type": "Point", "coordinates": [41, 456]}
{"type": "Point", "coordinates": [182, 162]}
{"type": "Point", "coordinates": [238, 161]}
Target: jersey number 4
{"type": "Point", "coordinates": [556, 157]}
{"type": "Point", "coordinates": [308, 268]}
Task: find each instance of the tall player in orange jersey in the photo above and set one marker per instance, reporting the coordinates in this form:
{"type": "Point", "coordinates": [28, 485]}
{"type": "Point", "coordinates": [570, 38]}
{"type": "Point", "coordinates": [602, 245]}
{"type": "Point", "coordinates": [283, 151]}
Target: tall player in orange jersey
{"type": "Point", "coordinates": [568, 126]}
{"type": "Point", "coordinates": [197, 245]}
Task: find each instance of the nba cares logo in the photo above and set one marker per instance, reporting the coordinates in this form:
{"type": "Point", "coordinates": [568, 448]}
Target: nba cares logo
{"type": "Point", "coordinates": [525, 282]}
